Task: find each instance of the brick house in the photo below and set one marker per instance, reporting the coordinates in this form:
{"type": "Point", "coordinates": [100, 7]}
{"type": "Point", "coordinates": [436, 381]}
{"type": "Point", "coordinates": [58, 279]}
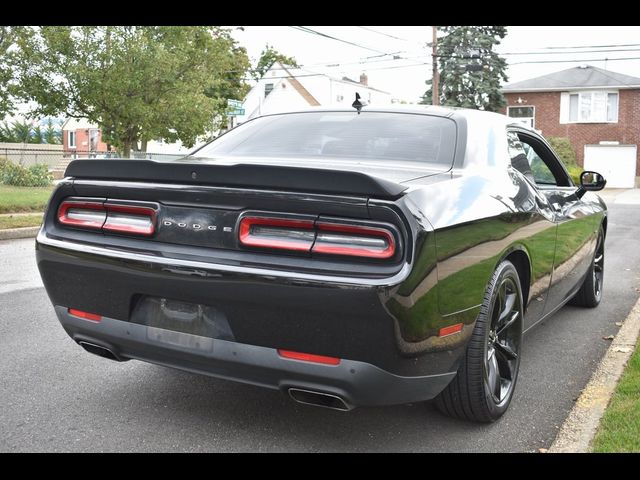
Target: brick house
{"type": "Point", "coordinates": [81, 137]}
{"type": "Point", "coordinates": [597, 110]}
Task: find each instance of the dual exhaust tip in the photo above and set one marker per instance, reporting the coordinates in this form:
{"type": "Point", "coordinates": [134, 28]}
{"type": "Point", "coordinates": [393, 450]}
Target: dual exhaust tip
{"type": "Point", "coordinates": [319, 399]}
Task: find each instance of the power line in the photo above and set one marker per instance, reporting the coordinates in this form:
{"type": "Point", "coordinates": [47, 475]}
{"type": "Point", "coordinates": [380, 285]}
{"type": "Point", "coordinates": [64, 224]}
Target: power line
{"type": "Point", "coordinates": [315, 32]}
{"type": "Point", "coordinates": [595, 46]}
{"type": "Point", "coordinates": [571, 53]}
{"type": "Point", "coordinates": [385, 34]}
{"type": "Point", "coordinates": [578, 60]}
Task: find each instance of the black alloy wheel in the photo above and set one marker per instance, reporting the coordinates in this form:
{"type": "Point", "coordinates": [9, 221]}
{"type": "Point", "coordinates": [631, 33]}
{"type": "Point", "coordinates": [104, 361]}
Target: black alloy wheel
{"type": "Point", "coordinates": [486, 378]}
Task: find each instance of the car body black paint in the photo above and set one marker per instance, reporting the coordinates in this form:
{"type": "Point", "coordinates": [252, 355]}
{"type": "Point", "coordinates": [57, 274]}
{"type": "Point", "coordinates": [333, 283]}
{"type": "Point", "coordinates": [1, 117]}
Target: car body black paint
{"type": "Point", "coordinates": [455, 227]}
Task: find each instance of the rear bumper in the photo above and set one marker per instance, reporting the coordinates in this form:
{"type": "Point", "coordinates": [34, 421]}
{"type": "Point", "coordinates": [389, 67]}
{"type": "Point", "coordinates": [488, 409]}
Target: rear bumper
{"type": "Point", "coordinates": [357, 383]}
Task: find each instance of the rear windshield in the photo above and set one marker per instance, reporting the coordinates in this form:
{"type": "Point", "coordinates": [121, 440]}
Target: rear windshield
{"type": "Point", "coordinates": [347, 135]}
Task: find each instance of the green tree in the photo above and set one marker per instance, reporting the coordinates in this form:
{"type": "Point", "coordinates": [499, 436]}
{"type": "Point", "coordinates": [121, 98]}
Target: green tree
{"type": "Point", "coordinates": [137, 83]}
{"type": "Point", "coordinates": [22, 132]}
{"type": "Point", "coordinates": [470, 70]}
{"type": "Point", "coordinates": [268, 57]}
{"type": "Point", "coordinates": [7, 37]}
{"type": "Point", "coordinates": [51, 134]}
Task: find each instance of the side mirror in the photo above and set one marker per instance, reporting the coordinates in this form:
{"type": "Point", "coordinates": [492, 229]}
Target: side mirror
{"type": "Point", "coordinates": [590, 182]}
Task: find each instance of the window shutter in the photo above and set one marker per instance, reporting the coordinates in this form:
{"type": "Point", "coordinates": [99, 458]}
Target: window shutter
{"type": "Point", "coordinates": [564, 107]}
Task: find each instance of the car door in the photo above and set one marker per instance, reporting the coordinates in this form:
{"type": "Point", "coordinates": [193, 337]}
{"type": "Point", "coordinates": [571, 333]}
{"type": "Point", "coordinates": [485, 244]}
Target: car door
{"type": "Point", "coordinates": [576, 225]}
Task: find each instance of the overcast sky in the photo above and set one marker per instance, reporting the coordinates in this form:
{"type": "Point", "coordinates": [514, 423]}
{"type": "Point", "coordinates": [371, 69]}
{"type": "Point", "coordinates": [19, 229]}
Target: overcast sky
{"type": "Point", "coordinates": [405, 78]}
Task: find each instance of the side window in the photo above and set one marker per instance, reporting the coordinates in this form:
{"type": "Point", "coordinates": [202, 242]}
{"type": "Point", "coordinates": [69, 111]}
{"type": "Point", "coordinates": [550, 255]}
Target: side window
{"type": "Point", "coordinates": [531, 156]}
{"type": "Point", "coordinates": [518, 154]}
{"type": "Point", "coordinates": [541, 173]}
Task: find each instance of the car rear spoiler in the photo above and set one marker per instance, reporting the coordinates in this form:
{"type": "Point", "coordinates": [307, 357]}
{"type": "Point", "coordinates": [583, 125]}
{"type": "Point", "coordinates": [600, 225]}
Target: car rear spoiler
{"type": "Point", "coordinates": [303, 179]}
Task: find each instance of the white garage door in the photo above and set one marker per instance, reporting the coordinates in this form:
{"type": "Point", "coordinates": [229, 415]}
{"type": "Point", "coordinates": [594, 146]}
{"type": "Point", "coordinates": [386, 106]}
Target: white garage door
{"type": "Point", "coordinates": [616, 162]}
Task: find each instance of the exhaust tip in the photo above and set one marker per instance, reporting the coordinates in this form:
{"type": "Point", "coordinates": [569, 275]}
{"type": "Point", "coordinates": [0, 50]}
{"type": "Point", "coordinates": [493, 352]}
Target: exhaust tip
{"type": "Point", "coordinates": [98, 350]}
{"type": "Point", "coordinates": [319, 399]}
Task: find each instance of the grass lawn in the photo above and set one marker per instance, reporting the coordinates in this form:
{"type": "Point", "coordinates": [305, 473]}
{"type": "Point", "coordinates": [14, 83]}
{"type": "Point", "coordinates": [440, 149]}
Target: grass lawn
{"type": "Point", "coordinates": [17, 221]}
{"type": "Point", "coordinates": [619, 429]}
{"type": "Point", "coordinates": [23, 199]}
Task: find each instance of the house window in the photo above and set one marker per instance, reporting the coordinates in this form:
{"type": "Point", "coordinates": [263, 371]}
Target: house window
{"type": "Point", "coordinates": [593, 107]}
{"type": "Point", "coordinates": [525, 115]}
{"type": "Point", "coordinates": [267, 88]}
{"type": "Point", "coordinates": [71, 140]}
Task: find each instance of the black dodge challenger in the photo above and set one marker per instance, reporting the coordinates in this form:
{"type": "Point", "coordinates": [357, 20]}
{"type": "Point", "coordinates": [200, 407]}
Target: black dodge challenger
{"type": "Point", "coordinates": [345, 257]}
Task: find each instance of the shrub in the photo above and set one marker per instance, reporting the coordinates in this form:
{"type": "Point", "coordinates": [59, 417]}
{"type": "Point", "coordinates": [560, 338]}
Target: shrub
{"type": "Point", "coordinates": [20, 176]}
{"type": "Point", "coordinates": [564, 150]}
{"type": "Point", "coordinates": [574, 172]}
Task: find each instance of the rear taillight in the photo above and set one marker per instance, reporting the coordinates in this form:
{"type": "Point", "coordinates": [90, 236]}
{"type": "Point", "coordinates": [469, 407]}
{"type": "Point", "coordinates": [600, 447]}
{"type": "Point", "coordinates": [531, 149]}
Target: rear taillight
{"type": "Point", "coordinates": [317, 237]}
{"type": "Point", "coordinates": [354, 240]}
{"type": "Point", "coordinates": [280, 233]}
{"type": "Point", "coordinates": [130, 219]}
{"type": "Point", "coordinates": [82, 214]}
{"type": "Point", "coordinates": [108, 217]}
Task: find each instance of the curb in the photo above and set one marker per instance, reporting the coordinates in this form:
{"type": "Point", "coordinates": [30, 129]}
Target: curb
{"type": "Point", "coordinates": [11, 233]}
{"type": "Point", "coordinates": [580, 427]}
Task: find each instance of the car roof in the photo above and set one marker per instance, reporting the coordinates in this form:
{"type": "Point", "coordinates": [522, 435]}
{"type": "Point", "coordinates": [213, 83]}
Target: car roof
{"type": "Point", "coordinates": [439, 111]}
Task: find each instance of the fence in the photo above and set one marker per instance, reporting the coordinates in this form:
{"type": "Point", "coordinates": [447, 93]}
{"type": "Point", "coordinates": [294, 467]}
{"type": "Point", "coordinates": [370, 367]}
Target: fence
{"type": "Point", "coordinates": [57, 159]}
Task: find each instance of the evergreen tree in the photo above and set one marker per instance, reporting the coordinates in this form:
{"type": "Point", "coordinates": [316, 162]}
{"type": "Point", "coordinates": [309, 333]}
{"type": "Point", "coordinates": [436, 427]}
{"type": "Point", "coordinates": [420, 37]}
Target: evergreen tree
{"type": "Point", "coordinates": [470, 70]}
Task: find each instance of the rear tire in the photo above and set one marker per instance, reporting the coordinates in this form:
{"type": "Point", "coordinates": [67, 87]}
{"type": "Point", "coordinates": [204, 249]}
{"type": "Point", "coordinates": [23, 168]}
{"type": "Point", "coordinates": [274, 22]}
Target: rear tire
{"type": "Point", "coordinates": [590, 292]}
{"type": "Point", "coordinates": [484, 385]}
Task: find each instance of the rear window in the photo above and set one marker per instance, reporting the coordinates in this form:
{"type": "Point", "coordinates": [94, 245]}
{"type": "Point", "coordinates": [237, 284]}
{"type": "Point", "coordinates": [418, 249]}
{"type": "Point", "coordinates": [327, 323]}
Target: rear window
{"type": "Point", "coordinates": [346, 135]}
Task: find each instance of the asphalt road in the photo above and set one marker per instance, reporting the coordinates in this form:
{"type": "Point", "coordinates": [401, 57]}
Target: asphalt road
{"type": "Point", "coordinates": [56, 397]}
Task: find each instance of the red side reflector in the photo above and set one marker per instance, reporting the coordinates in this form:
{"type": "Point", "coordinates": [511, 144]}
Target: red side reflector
{"type": "Point", "coordinates": [450, 330]}
{"type": "Point", "coordinates": [308, 357]}
{"type": "Point", "coordinates": [86, 315]}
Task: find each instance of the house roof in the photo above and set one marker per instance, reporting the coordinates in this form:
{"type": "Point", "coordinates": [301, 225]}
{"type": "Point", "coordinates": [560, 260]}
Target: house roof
{"type": "Point", "coordinates": [575, 78]}
{"type": "Point", "coordinates": [311, 100]}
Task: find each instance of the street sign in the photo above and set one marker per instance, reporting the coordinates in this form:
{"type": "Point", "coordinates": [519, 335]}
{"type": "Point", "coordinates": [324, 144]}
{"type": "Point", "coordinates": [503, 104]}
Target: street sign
{"type": "Point", "coordinates": [234, 103]}
{"type": "Point", "coordinates": [235, 112]}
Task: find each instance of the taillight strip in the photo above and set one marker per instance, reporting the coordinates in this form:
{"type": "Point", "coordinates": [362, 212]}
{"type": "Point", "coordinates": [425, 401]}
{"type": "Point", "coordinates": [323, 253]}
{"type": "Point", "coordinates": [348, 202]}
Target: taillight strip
{"type": "Point", "coordinates": [279, 237]}
{"type": "Point", "coordinates": [143, 221]}
{"type": "Point", "coordinates": [110, 217]}
{"type": "Point", "coordinates": [387, 250]}
{"type": "Point", "coordinates": [67, 218]}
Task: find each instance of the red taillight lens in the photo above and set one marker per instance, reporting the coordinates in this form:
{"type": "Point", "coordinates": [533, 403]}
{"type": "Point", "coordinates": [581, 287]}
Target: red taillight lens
{"type": "Point", "coordinates": [82, 214]}
{"type": "Point", "coordinates": [304, 235]}
{"type": "Point", "coordinates": [108, 217]}
{"type": "Point", "coordinates": [354, 240]}
{"type": "Point", "coordinates": [86, 315]}
{"type": "Point", "coordinates": [280, 233]}
{"type": "Point", "coordinates": [130, 219]}
{"type": "Point", "coordinates": [309, 357]}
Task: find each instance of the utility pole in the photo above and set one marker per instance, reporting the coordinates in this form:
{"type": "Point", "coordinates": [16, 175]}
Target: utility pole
{"type": "Point", "coordinates": [435, 91]}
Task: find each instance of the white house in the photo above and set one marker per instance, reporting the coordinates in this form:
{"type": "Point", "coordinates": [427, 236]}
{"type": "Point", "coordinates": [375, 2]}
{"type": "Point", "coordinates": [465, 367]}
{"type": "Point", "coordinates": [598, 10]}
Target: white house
{"type": "Point", "coordinates": [282, 89]}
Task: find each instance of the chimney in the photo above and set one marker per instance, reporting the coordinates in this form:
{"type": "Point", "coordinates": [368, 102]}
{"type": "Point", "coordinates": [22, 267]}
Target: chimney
{"type": "Point", "coordinates": [364, 80]}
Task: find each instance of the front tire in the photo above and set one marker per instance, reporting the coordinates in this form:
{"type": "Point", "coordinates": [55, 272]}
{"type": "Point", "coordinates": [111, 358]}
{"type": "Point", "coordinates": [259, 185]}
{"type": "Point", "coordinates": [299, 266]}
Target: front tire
{"type": "Point", "coordinates": [484, 385]}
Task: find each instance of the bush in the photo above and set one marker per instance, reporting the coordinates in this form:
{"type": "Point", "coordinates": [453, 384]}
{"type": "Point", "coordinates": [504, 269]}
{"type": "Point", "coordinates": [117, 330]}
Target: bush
{"type": "Point", "coordinates": [20, 176]}
{"type": "Point", "coordinates": [574, 173]}
{"type": "Point", "coordinates": [564, 150]}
